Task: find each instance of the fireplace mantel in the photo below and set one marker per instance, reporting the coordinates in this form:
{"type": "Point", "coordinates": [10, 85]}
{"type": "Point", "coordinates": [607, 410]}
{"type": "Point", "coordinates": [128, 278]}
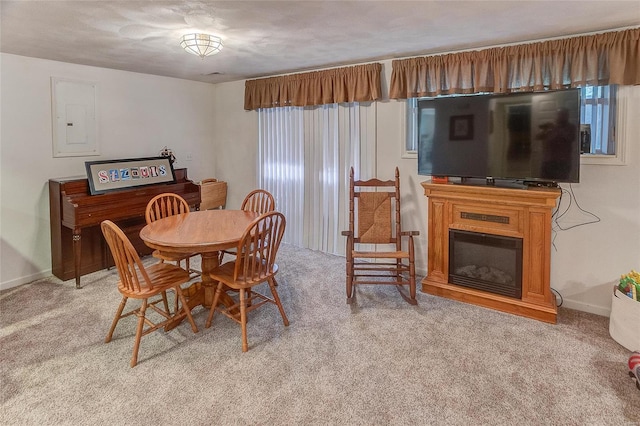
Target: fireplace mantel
{"type": "Point", "coordinates": [520, 213]}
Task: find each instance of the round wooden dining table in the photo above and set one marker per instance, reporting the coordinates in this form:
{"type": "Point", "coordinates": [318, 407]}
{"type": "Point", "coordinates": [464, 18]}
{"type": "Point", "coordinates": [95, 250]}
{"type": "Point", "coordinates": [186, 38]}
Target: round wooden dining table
{"type": "Point", "coordinates": [205, 232]}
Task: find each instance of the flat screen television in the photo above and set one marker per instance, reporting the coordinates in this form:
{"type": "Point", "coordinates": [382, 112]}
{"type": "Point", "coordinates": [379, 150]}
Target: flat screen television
{"type": "Point", "coordinates": [526, 138]}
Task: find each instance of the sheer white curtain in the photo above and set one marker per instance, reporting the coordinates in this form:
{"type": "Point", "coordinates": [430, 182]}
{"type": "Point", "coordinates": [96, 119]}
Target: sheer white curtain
{"type": "Point", "coordinates": [281, 164]}
{"type": "Point", "coordinates": [305, 155]}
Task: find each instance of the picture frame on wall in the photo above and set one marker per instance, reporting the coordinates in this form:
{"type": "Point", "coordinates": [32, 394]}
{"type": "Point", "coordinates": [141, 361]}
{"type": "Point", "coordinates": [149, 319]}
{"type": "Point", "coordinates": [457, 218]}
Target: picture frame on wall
{"type": "Point", "coordinates": [461, 127]}
{"type": "Point", "coordinates": [117, 175]}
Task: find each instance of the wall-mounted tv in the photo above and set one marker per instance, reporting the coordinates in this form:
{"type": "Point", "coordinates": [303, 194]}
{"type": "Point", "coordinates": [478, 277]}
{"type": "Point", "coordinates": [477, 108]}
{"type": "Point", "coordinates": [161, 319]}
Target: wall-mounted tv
{"type": "Point", "coordinates": [523, 137]}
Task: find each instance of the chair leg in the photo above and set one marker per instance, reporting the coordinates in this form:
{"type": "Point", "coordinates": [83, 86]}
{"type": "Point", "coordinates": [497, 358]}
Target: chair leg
{"type": "Point", "coordinates": [276, 298]}
{"type": "Point", "coordinates": [165, 302]}
{"type": "Point", "coordinates": [350, 264]}
{"type": "Point", "coordinates": [243, 319]}
{"type": "Point", "coordinates": [185, 306]}
{"type": "Point", "coordinates": [136, 346]}
{"type": "Point", "coordinates": [213, 305]}
{"type": "Point", "coordinates": [349, 281]}
{"type": "Point", "coordinates": [123, 302]}
{"type": "Point", "coordinates": [412, 280]}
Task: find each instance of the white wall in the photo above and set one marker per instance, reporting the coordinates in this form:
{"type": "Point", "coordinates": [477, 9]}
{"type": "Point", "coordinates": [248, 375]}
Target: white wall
{"type": "Point", "coordinates": [236, 136]}
{"type": "Point", "coordinates": [587, 260]}
{"type": "Point", "coordinates": [137, 116]}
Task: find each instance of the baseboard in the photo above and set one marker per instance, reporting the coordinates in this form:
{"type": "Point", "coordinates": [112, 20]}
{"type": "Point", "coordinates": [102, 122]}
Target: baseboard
{"type": "Point", "coordinates": [586, 307]}
{"type": "Point", "coordinates": [5, 285]}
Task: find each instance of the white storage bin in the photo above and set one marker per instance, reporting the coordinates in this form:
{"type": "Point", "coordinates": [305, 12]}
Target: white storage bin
{"type": "Point", "coordinates": [624, 322]}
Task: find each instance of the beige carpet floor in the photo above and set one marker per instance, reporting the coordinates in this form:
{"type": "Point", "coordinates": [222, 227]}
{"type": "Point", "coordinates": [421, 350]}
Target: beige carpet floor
{"type": "Point", "coordinates": [379, 361]}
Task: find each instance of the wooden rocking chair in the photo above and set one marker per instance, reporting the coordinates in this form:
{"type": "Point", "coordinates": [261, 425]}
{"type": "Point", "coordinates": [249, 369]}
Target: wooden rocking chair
{"type": "Point", "coordinates": [374, 250]}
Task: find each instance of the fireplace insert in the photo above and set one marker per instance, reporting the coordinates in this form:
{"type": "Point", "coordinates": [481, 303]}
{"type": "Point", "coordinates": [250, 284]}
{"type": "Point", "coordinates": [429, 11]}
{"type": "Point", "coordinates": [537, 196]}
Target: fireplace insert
{"type": "Point", "coordinates": [487, 262]}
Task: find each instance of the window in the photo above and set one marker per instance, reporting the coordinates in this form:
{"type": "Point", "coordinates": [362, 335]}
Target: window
{"type": "Point", "coordinates": [599, 110]}
{"type": "Point", "coordinates": [597, 119]}
{"type": "Point", "coordinates": [410, 149]}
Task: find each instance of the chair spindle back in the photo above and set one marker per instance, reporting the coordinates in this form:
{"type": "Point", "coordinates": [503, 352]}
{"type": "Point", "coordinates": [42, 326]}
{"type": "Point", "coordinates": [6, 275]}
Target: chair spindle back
{"type": "Point", "coordinates": [133, 275]}
{"type": "Point", "coordinates": [259, 201]}
{"type": "Point", "coordinates": [258, 248]}
{"type": "Point", "coordinates": [164, 205]}
{"type": "Point", "coordinates": [377, 213]}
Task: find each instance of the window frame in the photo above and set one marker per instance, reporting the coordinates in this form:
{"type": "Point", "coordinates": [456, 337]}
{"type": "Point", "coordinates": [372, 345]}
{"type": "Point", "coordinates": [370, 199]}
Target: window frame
{"type": "Point", "coordinates": [620, 157]}
{"type": "Point", "coordinates": [409, 128]}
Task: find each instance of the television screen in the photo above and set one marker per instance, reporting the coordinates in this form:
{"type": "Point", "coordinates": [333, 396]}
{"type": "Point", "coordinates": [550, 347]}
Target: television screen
{"type": "Point", "coordinates": [520, 137]}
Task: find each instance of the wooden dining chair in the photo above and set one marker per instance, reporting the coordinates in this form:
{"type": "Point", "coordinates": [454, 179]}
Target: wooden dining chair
{"type": "Point", "coordinates": [375, 252]}
{"type": "Point", "coordinates": [259, 201]}
{"type": "Point", "coordinates": [255, 264]}
{"type": "Point", "coordinates": [164, 205]}
{"type": "Point", "coordinates": [147, 284]}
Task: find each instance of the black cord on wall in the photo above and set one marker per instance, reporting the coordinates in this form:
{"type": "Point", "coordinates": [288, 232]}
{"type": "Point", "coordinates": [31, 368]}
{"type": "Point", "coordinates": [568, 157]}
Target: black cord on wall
{"type": "Point", "coordinates": [559, 295]}
{"type": "Point", "coordinates": [557, 214]}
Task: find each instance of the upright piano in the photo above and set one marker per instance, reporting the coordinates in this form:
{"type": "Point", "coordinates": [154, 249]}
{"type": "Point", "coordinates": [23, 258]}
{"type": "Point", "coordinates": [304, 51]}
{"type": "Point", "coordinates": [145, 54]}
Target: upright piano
{"type": "Point", "coordinates": [77, 245]}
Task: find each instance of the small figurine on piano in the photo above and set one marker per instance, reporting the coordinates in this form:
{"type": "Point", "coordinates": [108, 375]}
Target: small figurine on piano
{"type": "Point", "coordinates": [168, 153]}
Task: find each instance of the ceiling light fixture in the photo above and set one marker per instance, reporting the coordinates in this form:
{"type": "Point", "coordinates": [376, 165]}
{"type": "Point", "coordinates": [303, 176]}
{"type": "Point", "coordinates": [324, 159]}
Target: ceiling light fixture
{"type": "Point", "coordinates": [201, 44]}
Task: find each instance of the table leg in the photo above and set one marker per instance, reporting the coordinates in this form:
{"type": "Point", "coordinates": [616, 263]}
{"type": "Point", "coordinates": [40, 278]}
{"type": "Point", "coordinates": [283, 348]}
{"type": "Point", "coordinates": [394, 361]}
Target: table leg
{"type": "Point", "coordinates": [210, 261]}
{"type": "Point", "coordinates": [202, 293]}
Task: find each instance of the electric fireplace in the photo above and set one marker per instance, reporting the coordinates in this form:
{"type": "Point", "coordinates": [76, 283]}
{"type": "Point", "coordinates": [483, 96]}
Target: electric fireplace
{"type": "Point", "coordinates": [518, 224]}
{"type": "Point", "coordinates": [487, 262]}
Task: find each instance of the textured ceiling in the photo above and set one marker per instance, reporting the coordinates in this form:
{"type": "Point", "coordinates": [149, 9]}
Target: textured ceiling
{"type": "Point", "coordinates": [273, 37]}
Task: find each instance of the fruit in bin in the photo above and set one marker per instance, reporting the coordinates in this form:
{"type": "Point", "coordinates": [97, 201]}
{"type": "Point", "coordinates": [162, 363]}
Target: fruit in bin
{"type": "Point", "coordinates": [630, 285]}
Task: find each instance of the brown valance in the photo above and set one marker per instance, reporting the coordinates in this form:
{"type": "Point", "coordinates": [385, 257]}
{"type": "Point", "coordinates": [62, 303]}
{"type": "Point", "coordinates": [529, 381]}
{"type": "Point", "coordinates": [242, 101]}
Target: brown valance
{"type": "Point", "coordinates": [359, 83]}
{"type": "Point", "coordinates": [598, 59]}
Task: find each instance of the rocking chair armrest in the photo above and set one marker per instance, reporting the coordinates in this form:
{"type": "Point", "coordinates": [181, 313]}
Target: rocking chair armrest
{"type": "Point", "coordinates": [347, 233]}
{"type": "Point", "coordinates": [410, 233]}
